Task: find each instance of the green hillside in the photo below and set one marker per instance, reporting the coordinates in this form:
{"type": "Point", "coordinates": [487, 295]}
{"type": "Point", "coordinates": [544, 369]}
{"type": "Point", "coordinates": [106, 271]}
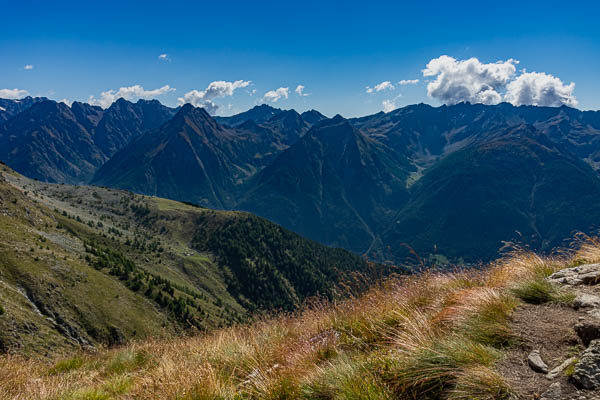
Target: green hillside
{"type": "Point", "coordinates": [88, 266]}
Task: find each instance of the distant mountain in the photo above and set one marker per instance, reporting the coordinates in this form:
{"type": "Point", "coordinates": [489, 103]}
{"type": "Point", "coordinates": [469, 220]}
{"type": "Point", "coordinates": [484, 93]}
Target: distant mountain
{"type": "Point", "coordinates": [9, 107]}
{"type": "Point", "coordinates": [49, 143]}
{"type": "Point", "coordinates": [515, 186]}
{"type": "Point", "coordinates": [53, 142]}
{"type": "Point", "coordinates": [426, 133]}
{"type": "Point", "coordinates": [288, 125]}
{"type": "Point", "coordinates": [258, 114]}
{"type": "Point", "coordinates": [312, 116]}
{"type": "Point", "coordinates": [191, 158]}
{"type": "Point", "coordinates": [124, 121]}
{"type": "Point", "coordinates": [335, 185]}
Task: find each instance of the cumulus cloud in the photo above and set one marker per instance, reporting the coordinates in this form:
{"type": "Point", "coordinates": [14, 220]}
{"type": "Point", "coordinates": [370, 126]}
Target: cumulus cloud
{"type": "Point", "coordinates": [540, 89]}
{"type": "Point", "coordinates": [217, 89]}
{"type": "Point", "coordinates": [274, 95]}
{"type": "Point", "coordinates": [300, 91]}
{"type": "Point", "coordinates": [477, 82]}
{"type": "Point", "coordinates": [13, 93]}
{"type": "Point", "coordinates": [66, 101]}
{"type": "Point", "coordinates": [405, 82]}
{"type": "Point", "coordinates": [28, 67]}
{"type": "Point", "coordinates": [468, 80]}
{"type": "Point", "coordinates": [130, 93]}
{"type": "Point", "coordinates": [386, 85]}
{"type": "Point", "coordinates": [164, 57]}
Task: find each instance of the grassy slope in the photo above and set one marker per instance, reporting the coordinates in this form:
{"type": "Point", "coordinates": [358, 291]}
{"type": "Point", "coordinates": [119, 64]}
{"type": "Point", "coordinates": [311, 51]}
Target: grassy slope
{"type": "Point", "coordinates": [51, 299]}
{"type": "Point", "coordinates": [82, 266]}
{"type": "Point", "coordinates": [437, 335]}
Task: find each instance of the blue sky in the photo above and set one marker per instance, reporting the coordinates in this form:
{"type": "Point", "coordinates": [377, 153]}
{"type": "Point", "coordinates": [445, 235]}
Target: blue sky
{"type": "Point", "coordinates": [334, 49]}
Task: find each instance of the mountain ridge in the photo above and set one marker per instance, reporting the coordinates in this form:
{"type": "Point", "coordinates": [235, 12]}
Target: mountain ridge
{"type": "Point", "coordinates": [225, 167]}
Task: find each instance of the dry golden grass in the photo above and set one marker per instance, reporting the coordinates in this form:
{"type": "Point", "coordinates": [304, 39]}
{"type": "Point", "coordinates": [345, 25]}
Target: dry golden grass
{"type": "Point", "coordinates": [435, 335]}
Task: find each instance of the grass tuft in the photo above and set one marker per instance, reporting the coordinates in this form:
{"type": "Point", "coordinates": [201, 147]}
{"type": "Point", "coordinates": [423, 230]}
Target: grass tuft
{"type": "Point", "coordinates": [126, 361]}
{"type": "Point", "coordinates": [540, 291]}
{"type": "Point", "coordinates": [480, 383]}
{"type": "Point", "coordinates": [66, 365]}
{"type": "Point", "coordinates": [346, 377]}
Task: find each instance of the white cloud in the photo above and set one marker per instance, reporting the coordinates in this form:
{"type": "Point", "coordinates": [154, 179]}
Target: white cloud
{"type": "Point", "coordinates": [468, 80]}
{"type": "Point", "coordinates": [274, 95]}
{"type": "Point", "coordinates": [164, 57]}
{"type": "Point", "coordinates": [386, 85]}
{"type": "Point", "coordinates": [221, 88]}
{"type": "Point", "coordinates": [405, 82]}
{"type": "Point", "coordinates": [66, 101]}
{"type": "Point", "coordinates": [389, 105]}
{"type": "Point", "coordinates": [128, 93]}
{"type": "Point", "coordinates": [217, 89]}
{"type": "Point", "coordinates": [28, 67]}
{"type": "Point", "coordinates": [476, 82]}
{"type": "Point", "coordinates": [540, 89]}
{"type": "Point", "coordinates": [300, 91]}
{"type": "Point", "coordinates": [13, 93]}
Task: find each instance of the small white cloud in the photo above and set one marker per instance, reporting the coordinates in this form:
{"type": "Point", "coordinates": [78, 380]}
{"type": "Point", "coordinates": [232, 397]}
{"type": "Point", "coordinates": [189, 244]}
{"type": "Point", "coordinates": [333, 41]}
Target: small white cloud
{"type": "Point", "coordinates": [300, 91]}
{"type": "Point", "coordinates": [386, 85]}
{"type": "Point", "coordinates": [28, 67]}
{"type": "Point", "coordinates": [390, 104]}
{"type": "Point", "coordinates": [128, 93]}
{"type": "Point", "coordinates": [13, 94]}
{"type": "Point", "coordinates": [468, 80]}
{"type": "Point", "coordinates": [164, 57]}
{"type": "Point", "coordinates": [540, 89]}
{"type": "Point", "coordinates": [217, 89]}
{"type": "Point", "coordinates": [66, 101]}
{"type": "Point", "coordinates": [274, 95]}
{"type": "Point", "coordinates": [405, 82]}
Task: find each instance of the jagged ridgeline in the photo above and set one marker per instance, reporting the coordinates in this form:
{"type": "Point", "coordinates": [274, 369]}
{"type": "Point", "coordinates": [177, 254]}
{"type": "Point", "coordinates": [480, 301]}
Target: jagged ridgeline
{"type": "Point", "coordinates": [87, 266]}
{"type": "Point", "coordinates": [450, 184]}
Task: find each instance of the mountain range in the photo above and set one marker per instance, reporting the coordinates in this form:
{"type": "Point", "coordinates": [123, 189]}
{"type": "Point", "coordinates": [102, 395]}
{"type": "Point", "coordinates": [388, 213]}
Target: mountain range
{"type": "Point", "coordinates": [418, 184]}
{"type": "Point", "coordinates": [53, 142]}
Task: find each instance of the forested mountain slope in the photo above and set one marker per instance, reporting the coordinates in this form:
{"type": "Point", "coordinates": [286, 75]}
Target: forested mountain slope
{"type": "Point", "coordinates": [86, 266]}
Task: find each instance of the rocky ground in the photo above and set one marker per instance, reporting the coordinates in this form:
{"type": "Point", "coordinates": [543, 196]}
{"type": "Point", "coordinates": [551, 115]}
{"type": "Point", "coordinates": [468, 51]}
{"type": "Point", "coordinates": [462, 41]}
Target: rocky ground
{"type": "Point", "coordinates": [558, 351]}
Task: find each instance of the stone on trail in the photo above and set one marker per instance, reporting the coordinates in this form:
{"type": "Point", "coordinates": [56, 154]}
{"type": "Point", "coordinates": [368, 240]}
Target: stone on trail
{"type": "Point", "coordinates": [587, 370]}
{"type": "Point", "coordinates": [588, 274]}
{"type": "Point", "coordinates": [588, 330]}
{"type": "Point", "coordinates": [554, 392]}
{"type": "Point", "coordinates": [536, 363]}
{"type": "Point", "coordinates": [585, 300]}
{"type": "Point", "coordinates": [557, 370]}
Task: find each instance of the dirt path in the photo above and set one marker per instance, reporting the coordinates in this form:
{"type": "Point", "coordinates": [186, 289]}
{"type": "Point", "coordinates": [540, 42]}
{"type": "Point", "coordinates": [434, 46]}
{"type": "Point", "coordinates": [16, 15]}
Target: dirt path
{"type": "Point", "coordinates": [550, 329]}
